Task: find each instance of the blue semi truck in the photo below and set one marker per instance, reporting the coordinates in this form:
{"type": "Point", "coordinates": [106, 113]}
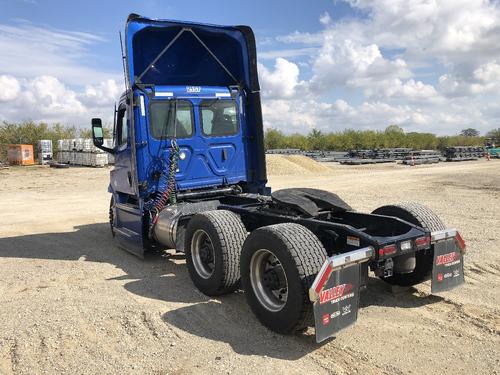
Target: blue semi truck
{"type": "Point", "coordinates": [190, 175]}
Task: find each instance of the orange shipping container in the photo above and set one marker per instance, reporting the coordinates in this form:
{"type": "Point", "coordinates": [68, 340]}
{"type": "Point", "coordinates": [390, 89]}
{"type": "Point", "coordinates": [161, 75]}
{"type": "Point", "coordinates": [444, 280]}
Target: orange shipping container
{"type": "Point", "coordinates": [20, 155]}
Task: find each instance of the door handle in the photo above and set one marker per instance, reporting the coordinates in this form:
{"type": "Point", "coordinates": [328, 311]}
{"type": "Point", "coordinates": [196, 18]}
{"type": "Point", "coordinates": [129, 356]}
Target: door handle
{"type": "Point", "coordinates": [129, 177]}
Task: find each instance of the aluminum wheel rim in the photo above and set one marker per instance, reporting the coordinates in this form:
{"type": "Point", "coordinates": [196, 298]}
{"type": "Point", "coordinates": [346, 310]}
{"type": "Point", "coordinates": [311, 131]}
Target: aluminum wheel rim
{"type": "Point", "coordinates": [203, 254]}
{"type": "Point", "coordinates": [268, 279]}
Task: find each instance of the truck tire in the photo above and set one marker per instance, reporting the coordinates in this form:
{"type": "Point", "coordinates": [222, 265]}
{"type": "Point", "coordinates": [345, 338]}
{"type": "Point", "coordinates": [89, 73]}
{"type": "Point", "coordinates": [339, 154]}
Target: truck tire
{"type": "Point", "coordinates": [278, 265]}
{"type": "Point", "coordinates": [423, 216]}
{"type": "Point", "coordinates": [213, 243]}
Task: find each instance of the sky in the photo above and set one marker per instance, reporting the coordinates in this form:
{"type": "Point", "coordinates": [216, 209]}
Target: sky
{"type": "Point", "coordinates": [426, 65]}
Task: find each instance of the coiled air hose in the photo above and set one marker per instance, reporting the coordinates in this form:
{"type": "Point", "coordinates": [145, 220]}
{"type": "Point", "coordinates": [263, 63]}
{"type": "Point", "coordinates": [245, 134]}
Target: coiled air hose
{"type": "Point", "coordinates": [168, 194]}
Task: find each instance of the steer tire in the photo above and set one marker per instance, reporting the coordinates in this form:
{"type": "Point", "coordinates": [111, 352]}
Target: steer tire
{"type": "Point", "coordinates": [301, 256]}
{"type": "Point", "coordinates": [424, 217]}
{"type": "Point", "coordinates": [226, 234]}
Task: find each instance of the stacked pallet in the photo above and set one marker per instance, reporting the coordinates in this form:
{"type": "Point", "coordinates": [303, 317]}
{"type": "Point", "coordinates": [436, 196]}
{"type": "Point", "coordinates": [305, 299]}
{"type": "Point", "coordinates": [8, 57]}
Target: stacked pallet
{"type": "Point", "coordinates": [82, 152]}
{"type": "Point", "coordinates": [285, 151]}
{"type": "Point", "coordinates": [44, 150]}
{"type": "Point", "coordinates": [423, 157]}
{"type": "Point", "coordinates": [359, 161]}
{"type": "Point", "coordinates": [461, 153]}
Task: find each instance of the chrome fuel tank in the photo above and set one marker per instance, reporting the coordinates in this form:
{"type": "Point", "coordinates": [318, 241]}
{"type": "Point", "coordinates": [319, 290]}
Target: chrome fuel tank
{"type": "Point", "coordinates": [167, 231]}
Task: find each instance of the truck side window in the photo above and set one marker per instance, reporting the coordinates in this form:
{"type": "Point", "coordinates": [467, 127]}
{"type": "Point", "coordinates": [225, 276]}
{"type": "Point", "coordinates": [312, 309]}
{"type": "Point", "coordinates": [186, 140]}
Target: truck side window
{"type": "Point", "coordinates": [219, 117]}
{"type": "Point", "coordinates": [122, 127]}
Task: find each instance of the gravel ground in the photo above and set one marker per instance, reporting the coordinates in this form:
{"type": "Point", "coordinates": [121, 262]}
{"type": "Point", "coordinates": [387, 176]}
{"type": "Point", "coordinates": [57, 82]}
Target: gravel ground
{"type": "Point", "coordinates": [72, 302]}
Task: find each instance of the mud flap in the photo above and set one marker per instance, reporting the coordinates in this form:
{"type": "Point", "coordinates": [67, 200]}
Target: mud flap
{"type": "Point", "coordinates": [337, 306]}
{"type": "Point", "coordinates": [448, 265]}
{"type": "Point", "coordinates": [335, 292]}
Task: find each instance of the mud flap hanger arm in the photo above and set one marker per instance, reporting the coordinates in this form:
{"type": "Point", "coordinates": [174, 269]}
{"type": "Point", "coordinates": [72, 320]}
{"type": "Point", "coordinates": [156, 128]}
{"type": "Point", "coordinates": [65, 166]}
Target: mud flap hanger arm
{"type": "Point", "coordinates": [186, 29]}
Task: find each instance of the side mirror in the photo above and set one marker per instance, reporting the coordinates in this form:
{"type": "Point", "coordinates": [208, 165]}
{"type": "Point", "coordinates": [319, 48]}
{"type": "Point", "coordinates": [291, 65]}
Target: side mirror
{"type": "Point", "coordinates": [98, 136]}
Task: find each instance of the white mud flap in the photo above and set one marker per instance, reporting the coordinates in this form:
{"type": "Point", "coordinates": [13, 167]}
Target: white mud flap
{"type": "Point", "coordinates": [335, 292]}
{"type": "Point", "coordinates": [448, 264]}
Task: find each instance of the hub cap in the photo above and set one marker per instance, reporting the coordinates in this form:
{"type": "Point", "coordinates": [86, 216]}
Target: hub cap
{"type": "Point", "coordinates": [202, 252]}
{"type": "Point", "coordinates": [268, 280]}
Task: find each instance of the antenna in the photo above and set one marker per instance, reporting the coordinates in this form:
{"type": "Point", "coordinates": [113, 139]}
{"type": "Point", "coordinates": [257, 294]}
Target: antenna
{"type": "Point", "coordinates": [123, 62]}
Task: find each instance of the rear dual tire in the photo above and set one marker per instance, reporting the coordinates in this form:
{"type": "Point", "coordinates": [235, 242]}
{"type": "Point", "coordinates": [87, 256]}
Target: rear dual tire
{"type": "Point", "coordinates": [278, 266]}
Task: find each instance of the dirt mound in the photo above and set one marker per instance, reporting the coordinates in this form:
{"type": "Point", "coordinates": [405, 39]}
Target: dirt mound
{"type": "Point", "coordinates": [280, 165]}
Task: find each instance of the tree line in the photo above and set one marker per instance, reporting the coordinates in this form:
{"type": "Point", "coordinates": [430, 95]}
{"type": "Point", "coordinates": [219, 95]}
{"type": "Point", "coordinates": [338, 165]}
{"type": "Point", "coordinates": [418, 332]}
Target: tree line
{"type": "Point", "coordinates": [29, 132]}
{"type": "Point", "coordinates": [393, 136]}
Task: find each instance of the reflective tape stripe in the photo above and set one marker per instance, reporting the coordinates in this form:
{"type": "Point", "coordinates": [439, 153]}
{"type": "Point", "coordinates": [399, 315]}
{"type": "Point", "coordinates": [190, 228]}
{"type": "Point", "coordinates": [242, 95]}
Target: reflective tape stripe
{"type": "Point", "coordinates": [163, 94]}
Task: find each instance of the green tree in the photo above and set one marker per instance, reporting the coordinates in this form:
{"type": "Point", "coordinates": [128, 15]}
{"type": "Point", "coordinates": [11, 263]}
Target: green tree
{"type": "Point", "coordinates": [494, 136]}
{"type": "Point", "coordinates": [317, 140]}
{"type": "Point", "coordinates": [469, 132]}
{"type": "Point", "coordinates": [274, 138]}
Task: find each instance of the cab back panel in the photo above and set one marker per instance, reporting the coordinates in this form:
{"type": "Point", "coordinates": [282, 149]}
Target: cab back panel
{"type": "Point", "coordinates": [204, 160]}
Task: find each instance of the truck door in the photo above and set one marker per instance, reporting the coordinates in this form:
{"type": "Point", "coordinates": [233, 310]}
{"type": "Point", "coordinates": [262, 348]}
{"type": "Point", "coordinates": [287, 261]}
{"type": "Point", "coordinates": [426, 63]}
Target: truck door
{"type": "Point", "coordinates": [127, 212]}
{"type": "Point", "coordinates": [121, 175]}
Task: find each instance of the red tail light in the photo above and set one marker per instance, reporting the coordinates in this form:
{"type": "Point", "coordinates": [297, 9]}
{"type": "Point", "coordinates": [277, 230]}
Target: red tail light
{"type": "Point", "coordinates": [387, 250]}
{"type": "Point", "coordinates": [423, 241]}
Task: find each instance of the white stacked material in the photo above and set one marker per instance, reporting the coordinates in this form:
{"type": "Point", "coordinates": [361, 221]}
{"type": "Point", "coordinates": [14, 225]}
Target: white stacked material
{"type": "Point", "coordinates": [65, 144]}
{"type": "Point", "coordinates": [88, 145]}
{"type": "Point", "coordinates": [44, 150]}
{"type": "Point", "coordinates": [79, 144]}
{"type": "Point", "coordinates": [81, 151]}
{"type": "Point", "coordinates": [77, 158]}
{"type": "Point", "coordinates": [98, 160]}
{"type": "Point", "coordinates": [44, 145]}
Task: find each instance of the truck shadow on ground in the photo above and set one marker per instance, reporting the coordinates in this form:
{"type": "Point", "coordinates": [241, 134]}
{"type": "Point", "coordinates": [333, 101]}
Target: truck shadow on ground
{"type": "Point", "coordinates": [227, 319]}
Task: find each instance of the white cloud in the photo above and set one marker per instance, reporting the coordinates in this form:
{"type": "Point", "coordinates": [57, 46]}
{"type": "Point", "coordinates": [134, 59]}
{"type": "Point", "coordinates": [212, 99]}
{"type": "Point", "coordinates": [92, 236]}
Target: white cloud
{"type": "Point", "coordinates": [325, 19]}
{"type": "Point", "coordinates": [46, 98]}
{"type": "Point", "coordinates": [287, 53]}
{"type": "Point", "coordinates": [102, 94]}
{"type": "Point", "coordinates": [47, 75]}
{"type": "Point", "coordinates": [9, 88]}
{"type": "Point", "coordinates": [409, 90]}
{"type": "Point", "coordinates": [282, 81]}
{"type": "Point", "coordinates": [427, 65]}
{"type": "Point", "coordinates": [347, 62]}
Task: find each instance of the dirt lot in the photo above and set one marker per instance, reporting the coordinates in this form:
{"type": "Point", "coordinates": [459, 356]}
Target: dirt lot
{"type": "Point", "coordinates": [72, 302]}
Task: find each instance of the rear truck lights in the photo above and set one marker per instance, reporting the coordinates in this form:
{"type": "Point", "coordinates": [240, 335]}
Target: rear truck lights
{"type": "Point", "coordinates": [422, 242]}
{"type": "Point", "coordinates": [387, 250]}
{"type": "Point", "coordinates": [406, 245]}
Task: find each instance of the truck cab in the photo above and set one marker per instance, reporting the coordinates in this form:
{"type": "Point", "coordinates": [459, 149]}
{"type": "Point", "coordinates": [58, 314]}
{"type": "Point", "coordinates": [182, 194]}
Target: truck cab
{"type": "Point", "coordinates": [192, 89]}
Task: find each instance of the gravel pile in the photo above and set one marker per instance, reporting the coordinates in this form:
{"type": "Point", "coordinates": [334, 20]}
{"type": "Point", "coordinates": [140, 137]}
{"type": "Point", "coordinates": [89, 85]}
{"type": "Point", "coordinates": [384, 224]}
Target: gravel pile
{"type": "Point", "coordinates": [281, 165]}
